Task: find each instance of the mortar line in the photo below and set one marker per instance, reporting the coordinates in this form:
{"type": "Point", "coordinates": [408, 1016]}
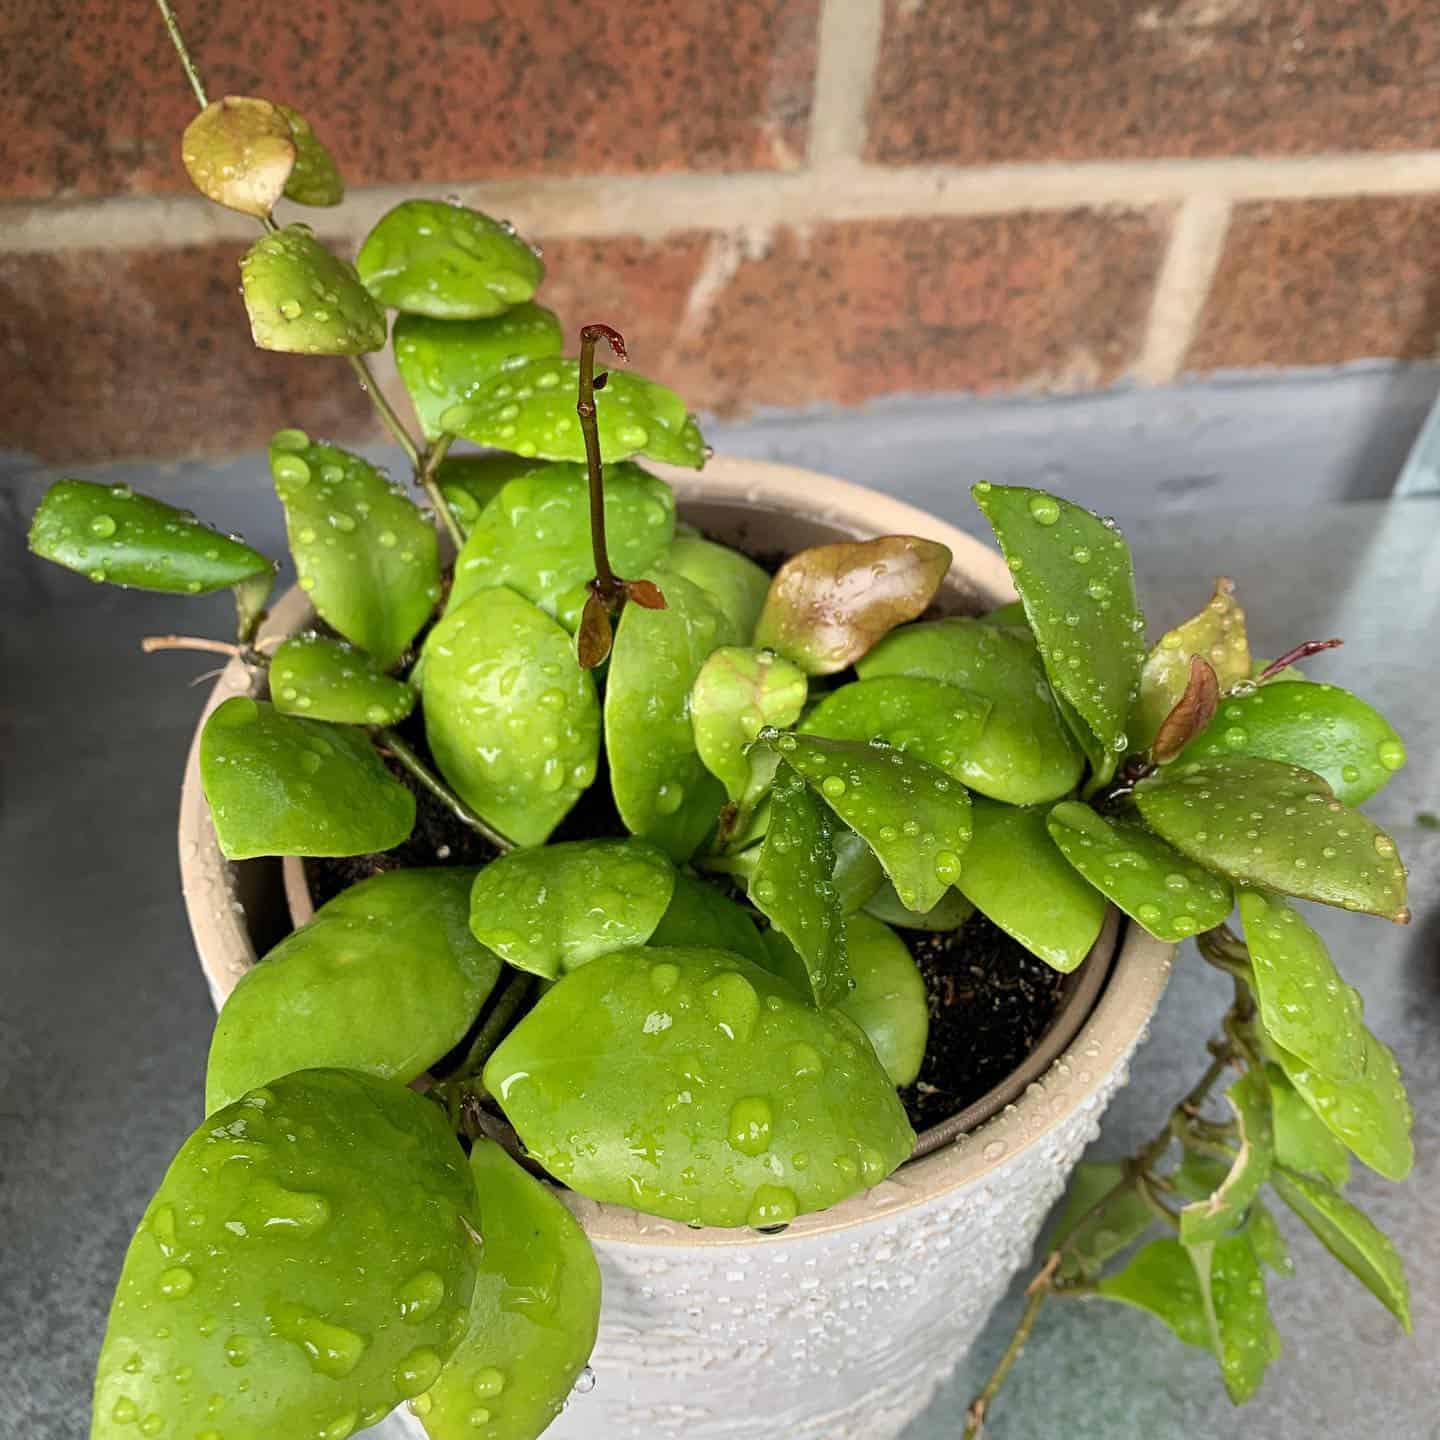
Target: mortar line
{"type": "Point", "coordinates": [846, 57]}
{"type": "Point", "coordinates": [1197, 242]}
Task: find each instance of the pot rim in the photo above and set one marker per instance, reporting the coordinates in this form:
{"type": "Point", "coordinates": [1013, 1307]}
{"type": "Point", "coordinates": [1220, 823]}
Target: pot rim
{"type": "Point", "coordinates": [215, 894]}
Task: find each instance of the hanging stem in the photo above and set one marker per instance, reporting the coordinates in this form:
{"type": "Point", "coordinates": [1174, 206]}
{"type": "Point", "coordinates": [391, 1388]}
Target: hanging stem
{"type": "Point", "coordinates": [178, 41]}
{"type": "Point", "coordinates": [151, 643]}
{"type": "Point", "coordinates": [605, 584]}
{"type": "Point", "coordinates": [388, 417]}
{"type": "Point", "coordinates": [440, 790]}
{"type": "Point", "coordinates": [426, 477]}
{"type": "Point", "coordinates": [514, 992]}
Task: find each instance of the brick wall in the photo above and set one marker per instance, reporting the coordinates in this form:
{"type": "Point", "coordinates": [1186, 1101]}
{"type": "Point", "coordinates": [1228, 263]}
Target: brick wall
{"type": "Point", "coordinates": [782, 202]}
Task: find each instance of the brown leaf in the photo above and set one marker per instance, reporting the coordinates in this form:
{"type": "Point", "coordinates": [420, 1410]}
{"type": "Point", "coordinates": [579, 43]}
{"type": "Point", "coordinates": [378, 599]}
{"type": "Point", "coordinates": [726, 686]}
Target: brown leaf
{"type": "Point", "coordinates": [595, 636]}
{"type": "Point", "coordinates": [828, 605]}
{"type": "Point", "coordinates": [646, 593]}
{"type": "Point", "coordinates": [240, 151]}
{"type": "Point", "coordinates": [1192, 713]}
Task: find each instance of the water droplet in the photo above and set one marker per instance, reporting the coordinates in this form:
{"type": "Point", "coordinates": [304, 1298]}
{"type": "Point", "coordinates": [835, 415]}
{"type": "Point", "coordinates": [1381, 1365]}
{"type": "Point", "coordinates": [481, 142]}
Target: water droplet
{"type": "Point", "coordinates": [833, 786]}
{"type": "Point", "coordinates": [733, 1004]}
{"type": "Point", "coordinates": [994, 1150]}
{"type": "Point", "coordinates": [805, 1061]}
{"type": "Point", "coordinates": [1391, 754]}
{"type": "Point", "coordinates": [488, 1382]}
{"type": "Point", "coordinates": [664, 977]}
{"type": "Point", "coordinates": [750, 1125]}
{"type": "Point", "coordinates": [417, 1372]}
{"type": "Point", "coordinates": [331, 1349]}
{"type": "Point", "coordinates": [772, 1206]}
{"type": "Point", "coordinates": [1044, 509]}
{"type": "Point", "coordinates": [585, 1381]}
{"type": "Point", "coordinates": [152, 1424]}
{"type": "Point", "coordinates": [124, 1412]}
{"type": "Point", "coordinates": [419, 1296]}
{"type": "Point", "coordinates": [1081, 556]}
{"type": "Point", "coordinates": [176, 1281]}
{"type": "Point", "coordinates": [1384, 845]}
{"type": "Point", "coordinates": [947, 867]}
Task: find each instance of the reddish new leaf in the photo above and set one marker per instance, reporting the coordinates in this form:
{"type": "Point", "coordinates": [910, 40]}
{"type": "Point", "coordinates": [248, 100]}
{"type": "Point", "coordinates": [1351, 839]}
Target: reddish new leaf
{"type": "Point", "coordinates": [1192, 713]}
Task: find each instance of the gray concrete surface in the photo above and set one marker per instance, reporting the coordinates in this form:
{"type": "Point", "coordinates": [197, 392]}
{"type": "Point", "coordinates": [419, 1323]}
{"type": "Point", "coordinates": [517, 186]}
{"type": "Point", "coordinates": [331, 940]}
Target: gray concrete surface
{"type": "Point", "coordinates": [104, 1017]}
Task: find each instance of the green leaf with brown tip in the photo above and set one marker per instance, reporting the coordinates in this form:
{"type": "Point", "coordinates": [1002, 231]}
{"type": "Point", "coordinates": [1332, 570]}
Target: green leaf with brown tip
{"type": "Point", "coordinates": [443, 362]}
{"type": "Point", "coordinates": [1087, 1233]}
{"type": "Point", "coordinates": [733, 581]}
{"type": "Point", "coordinates": [737, 693]}
{"type": "Point", "coordinates": [108, 532]}
{"type": "Point", "coordinates": [1225, 1208]}
{"type": "Point", "coordinates": [1025, 753]}
{"type": "Point", "coordinates": [1243, 1337]}
{"type": "Point", "coordinates": [1303, 1141]}
{"type": "Point", "coordinates": [1265, 823]}
{"type": "Point", "coordinates": [315, 180]}
{"type": "Point", "coordinates": [1352, 1238]}
{"type": "Point", "coordinates": [700, 914]}
{"type": "Point", "coordinates": [828, 605]}
{"type": "Point", "coordinates": [1077, 582]}
{"type": "Point", "coordinates": [293, 1288]}
{"type": "Point", "coordinates": [533, 1317]}
{"type": "Point", "coordinates": [367, 558]}
{"type": "Point", "coordinates": [512, 720]}
{"type": "Point", "coordinates": [428, 257]}
{"type": "Point", "coordinates": [1148, 879]}
{"type": "Point", "coordinates": [1015, 874]}
{"type": "Point", "coordinates": [281, 785]}
{"type": "Point", "coordinates": [695, 1085]}
{"type": "Point", "coordinates": [306, 301]}
{"type": "Point", "coordinates": [240, 152]}
{"type": "Point", "coordinates": [470, 482]}
{"type": "Point", "coordinates": [912, 815]}
{"type": "Point", "coordinates": [331, 680]}
{"type": "Point", "coordinates": [950, 912]}
{"type": "Point", "coordinates": [1346, 742]}
{"type": "Point", "coordinates": [558, 906]}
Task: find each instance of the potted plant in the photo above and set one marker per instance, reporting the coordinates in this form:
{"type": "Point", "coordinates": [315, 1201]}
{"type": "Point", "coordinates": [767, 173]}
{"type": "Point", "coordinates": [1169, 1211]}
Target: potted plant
{"type": "Point", "coordinates": [711, 857]}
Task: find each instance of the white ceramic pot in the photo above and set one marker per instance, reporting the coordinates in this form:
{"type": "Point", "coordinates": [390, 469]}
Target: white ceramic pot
{"type": "Point", "coordinates": [845, 1324]}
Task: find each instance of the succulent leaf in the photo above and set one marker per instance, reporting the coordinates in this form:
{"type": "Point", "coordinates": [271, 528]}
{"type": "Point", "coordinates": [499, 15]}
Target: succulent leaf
{"type": "Point", "coordinates": [303, 300]}
{"type": "Point", "coordinates": [326, 679]}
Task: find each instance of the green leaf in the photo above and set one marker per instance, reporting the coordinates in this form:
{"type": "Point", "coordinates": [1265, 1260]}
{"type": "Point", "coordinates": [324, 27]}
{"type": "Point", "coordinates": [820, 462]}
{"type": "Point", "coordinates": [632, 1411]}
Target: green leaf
{"type": "Point", "coordinates": [535, 535]}
{"type": "Point", "coordinates": [367, 558]}
{"type": "Point", "coordinates": [858, 875]}
{"type": "Point", "coordinates": [888, 1000]}
{"type": "Point", "coordinates": [1302, 1140]}
{"type": "Point", "coordinates": [1217, 635]}
{"type": "Point", "coordinates": [1075, 577]}
{"type": "Point", "coordinates": [737, 693]}
{"type": "Point", "coordinates": [385, 979]}
{"type": "Point", "coordinates": [735, 583]}
{"type": "Point", "coordinates": [694, 1085]}
{"type": "Point", "coordinates": [1198, 1176]}
{"type": "Point", "coordinates": [315, 180]}
{"type": "Point", "coordinates": [443, 362]}
{"type": "Point", "coordinates": [1225, 1208]}
{"type": "Point", "coordinates": [470, 482]}
{"type": "Point", "coordinates": [661, 788]}
{"type": "Point", "coordinates": [554, 908]}
{"type": "Point", "coordinates": [1351, 746]}
{"type": "Point", "coordinates": [1102, 762]}
{"type": "Point", "coordinates": [939, 723]}
{"type": "Point", "coordinates": [295, 1288]}
{"type": "Point", "coordinates": [1090, 1237]}
{"type": "Point", "coordinates": [108, 532]}
{"type": "Point", "coordinates": [533, 1318]}
{"type": "Point", "coordinates": [511, 719]}
{"type": "Point", "coordinates": [331, 680]}
{"type": "Point", "coordinates": [432, 258]}
{"type": "Point", "coordinates": [1015, 874]}
{"type": "Point", "coordinates": [304, 300]}
{"type": "Point", "coordinates": [1145, 877]}
{"type": "Point", "coordinates": [1352, 1238]}
{"type": "Point", "coordinates": [251, 598]}
{"type": "Point", "coordinates": [530, 409]}
{"type": "Point", "coordinates": [1264, 823]}
{"type": "Point", "coordinates": [699, 914]}
{"type": "Point", "coordinates": [1304, 1004]}
{"type": "Point", "coordinates": [913, 816]}
{"type": "Point", "coordinates": [280, 785]}
{"type": "Point", "coordinates": [1010, 614]}
{"type": "Point", "coordinates": [792, 886]}
{"type": "Point", "coordinates": [950, 912]}
{"type": "Point", "coordinates": [239, 152]}
{"type": "Point", "coordinates": [1025, 753]}
{"type": "Point", "coordinates": [1267, 1241]}
{"type": "Point", "coordinates": [1160, 1280]}
{"type": "Point", "coordinates": [1243, 1338]}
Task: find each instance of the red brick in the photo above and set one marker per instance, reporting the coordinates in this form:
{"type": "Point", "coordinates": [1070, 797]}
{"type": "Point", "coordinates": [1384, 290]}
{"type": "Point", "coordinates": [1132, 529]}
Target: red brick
{"type": "Point", "coordinates": [1318, 282]}
{"type": "Point", "coordinates": [1036, 80]}
{"type": "Point", "coordinates": [93, 101]}
{"type": "Point", "coordinates": [148, 354]}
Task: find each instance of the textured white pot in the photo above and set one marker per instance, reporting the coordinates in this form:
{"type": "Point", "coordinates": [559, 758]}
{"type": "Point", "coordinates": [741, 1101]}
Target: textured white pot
{"type": "Point", "coordinates": [844, 1325]}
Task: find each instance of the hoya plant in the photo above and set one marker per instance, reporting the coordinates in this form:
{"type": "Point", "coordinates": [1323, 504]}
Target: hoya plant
{"type": "Point", "coordinates": [709, 805]}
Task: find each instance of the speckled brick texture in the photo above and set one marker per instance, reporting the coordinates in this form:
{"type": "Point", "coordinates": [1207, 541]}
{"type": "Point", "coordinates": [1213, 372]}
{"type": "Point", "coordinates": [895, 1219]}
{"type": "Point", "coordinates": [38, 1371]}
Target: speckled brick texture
{"type": "Point", "coordinates": [93, 100]}
{"type": "Point", "coordinates": [1320, 282]}
{"type": "Point", "coordinates": [966, 82]}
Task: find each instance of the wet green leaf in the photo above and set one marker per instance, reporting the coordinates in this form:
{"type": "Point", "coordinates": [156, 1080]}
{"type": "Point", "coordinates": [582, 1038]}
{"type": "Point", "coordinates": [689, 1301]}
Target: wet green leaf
{"type": "Point", "coordinates": [1352, 1238]}
{"type": "Point", "coordinates": [367, 558]}
{"type": "Point", "coordinates": [827, 606]}
{"type": "Point", "coordinates": [1102, 762]}
{"type": "Point", "coordinates": [241, 1293]}
{"type": "Point", "coordinates": [1224, 1209]}
{"type": "Point", "coordinates": [432, 258]}
{"type": "Point", "coordinates": [331, 680]}
{"type": "Point", "coordinates": [1075, 577]}
{"type": "Point", "coordinates": [534, 536]}
{"type": "Point", "coordinates": [315, 180]}
{"type": "Point", "coordinates": [1160, 1279]}
{"type": "Point", "coordinates": [1302, 1140]}
{"type": "Point", "coordinates": [512, 720]}
{"type": "Point", "coordinates": [1148, 879]}
{"type": "Point", "coordinates": [553, 908]}
{"type": "Point", "coordinates": [1243, 1338]}
{"type": "Point", "coordinates": [239, 152]}
{"type": "Point", "coordinates": [470, 482]}
{"type": "Point", "coordinates": [251, 598]}
{"type": "Point", "coordinates": [1337, 735]}
{"type": "Point", "coordinates": [1268, 1243]}
{"type": "Point", "coordinates": [304, 300]}
{"type": "Point", "coordinates": [1216, 634]}
{"type": "Point", "coordinates": [1025, 753]}
{"type": "Point", "coordinates": [1015, 874]}
{"type": "Point", "coordinates": [385, 979]}
{"type": "Point", "coordinates": [858, 874]}
{"type": "Point", "coordinates": [700, 914]}
{"type": "Point", "coordinates": [694, 1085]}
{"type": "Point", "coordinates": [1304, 1004]}
{"type": "Point", "coordinates": [737, 693]}
{"type": "Point", "coordinates": [533, 1318]}
{"type": "Point", "coordinates": [443, 362]}
{"type": "Point", "coordinates": [530, 410]}
{"type": "Point", "coordinates": [735, 583]}
{"type": "Point", "coordinates": [1011, 614]}
{"type": "Point", "coordinates": [661, 788]}
{"type": "Point", "coordinates": [281, 785]}
{"type": "Point", "coordinates": [1264, 823]}
{"type": "Point", "coordinates": [888, 1000]}
{"type": "Point", "coordinates": [950, 912]}
{"type": "Point", "coordinates": [1198, 1176]}
{"type": "Point", "coordinates": [913, 816]}
{"type": "Point", "coordinates": [1090, 1237]}
{"type": "Point", "coordinates": [792, 886]}
{"type": "Point", "coordinates": [108, 532]}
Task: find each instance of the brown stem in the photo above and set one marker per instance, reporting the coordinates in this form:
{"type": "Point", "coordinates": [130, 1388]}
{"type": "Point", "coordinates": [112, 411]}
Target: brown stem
{"type": "Point", "coordinates": [606, 585]}
{"type": "Point", "coordinates": [1309, 647]}
{"type": "Point", "coordinates": [440, 790]}
{"type": "Point", "coordinates": [980, 1405]}
{"type": "Point", "coordinates": [151, 643]}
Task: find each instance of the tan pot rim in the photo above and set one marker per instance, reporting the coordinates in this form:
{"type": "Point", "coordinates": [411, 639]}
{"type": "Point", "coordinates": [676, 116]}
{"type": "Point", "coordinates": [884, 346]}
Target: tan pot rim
{"type": "Point", "coordinates": [217, 892]}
